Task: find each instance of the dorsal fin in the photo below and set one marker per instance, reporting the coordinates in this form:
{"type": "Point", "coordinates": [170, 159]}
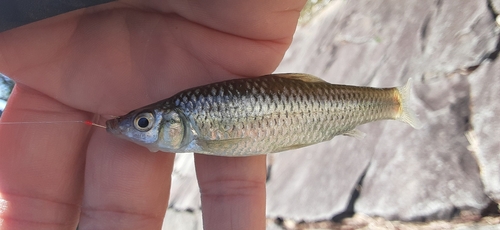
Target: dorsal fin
{"type": "Point", "coordinates": [300, 76]}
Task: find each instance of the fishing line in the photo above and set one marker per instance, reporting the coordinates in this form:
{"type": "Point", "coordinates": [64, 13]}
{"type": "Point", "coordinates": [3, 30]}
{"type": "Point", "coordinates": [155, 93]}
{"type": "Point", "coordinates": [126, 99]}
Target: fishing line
{"type": "Point", "coordinates": [87, 122]}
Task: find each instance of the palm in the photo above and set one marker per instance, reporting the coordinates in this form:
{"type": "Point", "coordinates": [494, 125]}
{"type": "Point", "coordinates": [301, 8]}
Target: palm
{"type": "Point", "coordinates": [122, 55]}
{"type": "Point", "coordinates": [108, 60]}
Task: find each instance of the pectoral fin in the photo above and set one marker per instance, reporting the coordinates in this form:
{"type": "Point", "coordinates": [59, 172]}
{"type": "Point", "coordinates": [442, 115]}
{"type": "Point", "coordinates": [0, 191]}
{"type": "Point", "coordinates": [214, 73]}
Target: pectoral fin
{"type": "Point", "coordinates": [227, 145]}
{"type": "Point", "coordinates": [355, 133]}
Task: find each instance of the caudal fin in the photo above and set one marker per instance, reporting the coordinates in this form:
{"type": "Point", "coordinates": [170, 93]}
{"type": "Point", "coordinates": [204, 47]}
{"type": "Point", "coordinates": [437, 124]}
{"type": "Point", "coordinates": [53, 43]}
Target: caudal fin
{"type": "Point", "coordinates": [407, 114]}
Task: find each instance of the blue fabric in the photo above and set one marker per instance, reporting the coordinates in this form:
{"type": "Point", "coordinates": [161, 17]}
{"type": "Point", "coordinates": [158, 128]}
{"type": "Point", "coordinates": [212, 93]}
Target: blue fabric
{"type": "Point", "coordinates": [14, 13]}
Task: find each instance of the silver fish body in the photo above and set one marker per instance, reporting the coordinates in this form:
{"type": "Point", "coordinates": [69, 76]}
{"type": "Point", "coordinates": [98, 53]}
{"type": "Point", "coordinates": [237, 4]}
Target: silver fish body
{"type": "Point", "coordinates": [267, 114]}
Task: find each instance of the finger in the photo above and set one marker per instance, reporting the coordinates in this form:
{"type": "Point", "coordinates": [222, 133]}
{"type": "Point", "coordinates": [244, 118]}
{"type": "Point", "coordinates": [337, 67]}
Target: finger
{"type": "Point", "coordinates": [115, 44]}
{"type": "Point", "coordinates": [258, 19]}
{"type": "Point", "coordinates": [41, 166]}
{"type": "Point", "coordinates": [126, 186]}
{"type": "Point", "coordinates": [233, 191]}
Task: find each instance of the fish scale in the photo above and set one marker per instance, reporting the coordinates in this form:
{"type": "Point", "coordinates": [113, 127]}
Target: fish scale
{"type": "Point", "coordinates": [261, 115]}
{"type": "Point", "coordinates": [295, 129]}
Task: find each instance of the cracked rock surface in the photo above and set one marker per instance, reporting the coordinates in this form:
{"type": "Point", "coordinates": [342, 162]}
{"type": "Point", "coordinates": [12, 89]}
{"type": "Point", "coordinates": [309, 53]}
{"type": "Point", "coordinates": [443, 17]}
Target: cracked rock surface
{"type": "Point", "coordinates": [450, 166]}
{"type": "Point", "coordinates": [411, 174]}
{"type": "Point", "coordinates": [484, 137]}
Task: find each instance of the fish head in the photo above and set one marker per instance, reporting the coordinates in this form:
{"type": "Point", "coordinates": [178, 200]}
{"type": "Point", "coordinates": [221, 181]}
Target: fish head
{"type": "Point", "coordinates": [140, 126]}
{"type": "Point", "coordinates": [156, 129]}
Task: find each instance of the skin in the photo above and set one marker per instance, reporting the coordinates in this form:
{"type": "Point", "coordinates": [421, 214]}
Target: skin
{"type": "Point", "coordinates": [107, 60]}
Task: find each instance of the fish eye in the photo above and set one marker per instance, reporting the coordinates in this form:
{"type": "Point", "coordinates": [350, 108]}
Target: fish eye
{"type": "Point", "coordinates": [144, 121]}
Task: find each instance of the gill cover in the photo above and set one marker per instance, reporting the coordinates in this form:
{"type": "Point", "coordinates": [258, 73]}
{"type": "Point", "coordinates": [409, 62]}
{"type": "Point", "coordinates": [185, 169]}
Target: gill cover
{"type": "Point", "coordinates": [173, 131]}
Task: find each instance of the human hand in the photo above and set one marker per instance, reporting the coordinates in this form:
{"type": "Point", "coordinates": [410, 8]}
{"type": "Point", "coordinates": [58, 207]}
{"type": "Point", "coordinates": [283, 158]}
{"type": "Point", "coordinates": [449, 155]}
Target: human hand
{"type": "Point", "coordinates": [108, 60]}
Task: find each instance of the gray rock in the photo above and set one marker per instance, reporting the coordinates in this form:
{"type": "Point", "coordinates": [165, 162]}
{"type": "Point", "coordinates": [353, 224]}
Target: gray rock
{"type": "Point", "coordinates": [479, 227]}
{"type": "Point", "coordinates": [428, 174]}
{"type": "Point", "coordinates": [315, 183]}
{"type": "Point", "coordinates": [412, 174]}
{"type": "Point", "coordinates": [270, 225]}
{"type": "Point", "coordinates": [183, 220]}
{"type": "Point", "coordinates": [495, 4]}
{"type": "Point", "coordinates": [484, 138]}
{"type": "Point", "coordinates": [184, 192]}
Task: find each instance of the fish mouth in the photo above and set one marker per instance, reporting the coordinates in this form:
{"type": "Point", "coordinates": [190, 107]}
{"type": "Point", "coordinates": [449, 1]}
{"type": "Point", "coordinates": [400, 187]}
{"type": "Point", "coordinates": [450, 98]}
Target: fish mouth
{"type": "Point", "coordinates": [112, 126]}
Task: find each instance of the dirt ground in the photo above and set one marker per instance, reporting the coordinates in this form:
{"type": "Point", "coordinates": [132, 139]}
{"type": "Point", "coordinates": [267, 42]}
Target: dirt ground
{"type": "Point", "coordinates": [360, 221]}
{"type": "Point", "coordinates": [488, 220]}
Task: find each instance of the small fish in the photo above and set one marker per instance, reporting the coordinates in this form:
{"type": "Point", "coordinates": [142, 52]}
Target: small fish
{"type": "Point", "coordinates": [268, 114]}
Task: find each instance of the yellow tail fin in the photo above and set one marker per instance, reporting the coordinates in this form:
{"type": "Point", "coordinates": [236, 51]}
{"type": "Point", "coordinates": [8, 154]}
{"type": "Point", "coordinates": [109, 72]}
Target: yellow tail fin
{"type": "Point", "coordinates": [406, 113]}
